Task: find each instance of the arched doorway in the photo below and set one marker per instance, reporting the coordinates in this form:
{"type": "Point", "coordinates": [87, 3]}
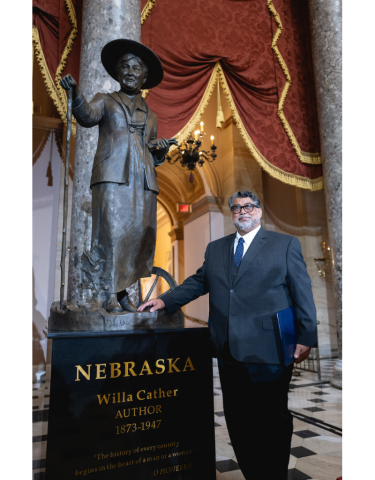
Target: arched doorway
{"type": "Point", "coordinates": [163, 253]}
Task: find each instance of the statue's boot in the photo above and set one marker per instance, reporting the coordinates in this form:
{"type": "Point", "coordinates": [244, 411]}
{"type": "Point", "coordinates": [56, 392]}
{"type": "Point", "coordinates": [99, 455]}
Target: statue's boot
{"type": "Point", "coordinates": [127, 304]}
{"type": "Point", "coordinates": [113, 306]}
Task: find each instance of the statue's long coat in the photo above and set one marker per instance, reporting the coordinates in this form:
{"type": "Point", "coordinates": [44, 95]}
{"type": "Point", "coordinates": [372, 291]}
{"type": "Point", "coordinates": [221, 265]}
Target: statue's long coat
{"type": "Point", "coordinates": [123, 183]}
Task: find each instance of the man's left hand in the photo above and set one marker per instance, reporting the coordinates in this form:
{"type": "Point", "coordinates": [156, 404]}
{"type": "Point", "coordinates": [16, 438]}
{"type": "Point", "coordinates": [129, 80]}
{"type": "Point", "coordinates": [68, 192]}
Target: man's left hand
{"type": "Point", "coordinates": [302, 353]}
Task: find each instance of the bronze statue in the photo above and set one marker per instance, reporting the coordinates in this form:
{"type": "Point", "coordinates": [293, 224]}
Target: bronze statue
{"type": "Point", "coordinates": [123, 181]}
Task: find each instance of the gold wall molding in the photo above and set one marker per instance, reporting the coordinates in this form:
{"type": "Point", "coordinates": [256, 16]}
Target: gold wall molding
{"type": "Point", "coordinates": [290, 229]}
{"type": "Point", "coordinates": [229, 121]}
{"type": "Point", "coordinates": [304, 157]}
{"type": "Point", "coordinates": [205, 205]}
{"type": "Point", "coordinates": [176, 234]}
{"type": "Point", "coordinates": [47, 123]}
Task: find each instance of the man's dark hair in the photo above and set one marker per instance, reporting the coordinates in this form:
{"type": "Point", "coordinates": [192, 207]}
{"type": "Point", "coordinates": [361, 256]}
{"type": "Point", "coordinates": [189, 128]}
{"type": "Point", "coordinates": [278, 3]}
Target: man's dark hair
{"type": "Point", "coordinates": [244, 194]}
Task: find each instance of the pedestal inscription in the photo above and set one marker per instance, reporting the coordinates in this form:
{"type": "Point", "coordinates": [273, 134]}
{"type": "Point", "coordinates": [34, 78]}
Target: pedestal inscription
{"type": "Point", "coordinates": [136, 405]}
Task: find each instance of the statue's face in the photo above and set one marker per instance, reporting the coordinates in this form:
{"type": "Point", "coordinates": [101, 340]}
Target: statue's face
{"type": "Point", "coordinates": [131, 73]}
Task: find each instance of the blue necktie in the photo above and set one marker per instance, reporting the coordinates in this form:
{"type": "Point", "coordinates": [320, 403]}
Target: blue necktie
{"type": "Point", "coordinates": [239, 252]}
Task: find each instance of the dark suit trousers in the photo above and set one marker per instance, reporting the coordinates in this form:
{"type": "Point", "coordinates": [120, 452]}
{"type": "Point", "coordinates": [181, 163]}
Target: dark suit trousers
{"type": "Point", "coordinates": [260, 426]}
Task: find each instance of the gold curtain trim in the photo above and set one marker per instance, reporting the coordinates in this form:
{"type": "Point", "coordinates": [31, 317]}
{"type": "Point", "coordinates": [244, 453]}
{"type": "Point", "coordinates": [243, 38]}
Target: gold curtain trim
{"type": "Point", "coordinates": [147, 10]}
{"type": "Point", "coordinates": [68, 48]}
{"type": "Point", "coordinates": [50, 85]}
{"type": "Point", "coordinates": [55, 91]}
{"type": "Point", "coordinates": [305, 157]}
{"type": "Point", "coordinates": [145, 13]}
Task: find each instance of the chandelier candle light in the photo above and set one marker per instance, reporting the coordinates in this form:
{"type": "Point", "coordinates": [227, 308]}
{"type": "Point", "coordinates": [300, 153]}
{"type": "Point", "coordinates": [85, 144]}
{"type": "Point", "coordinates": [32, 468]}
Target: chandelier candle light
{"type": "Point", "coordinates": [189, 153]}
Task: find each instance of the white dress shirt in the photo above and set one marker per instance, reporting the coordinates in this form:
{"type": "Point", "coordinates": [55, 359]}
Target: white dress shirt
{"type": "Point", "coordinates": [248, 238]}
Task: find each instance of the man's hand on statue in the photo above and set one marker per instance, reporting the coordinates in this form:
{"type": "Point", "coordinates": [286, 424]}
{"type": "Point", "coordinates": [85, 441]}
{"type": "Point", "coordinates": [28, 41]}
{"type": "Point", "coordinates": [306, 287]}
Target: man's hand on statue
{"type": "Point", "coordinates": [156, 304]}
{"type": "Point", "coordinates": [68, 82]}
{"type": "Point", "coordinates": [302, 353]}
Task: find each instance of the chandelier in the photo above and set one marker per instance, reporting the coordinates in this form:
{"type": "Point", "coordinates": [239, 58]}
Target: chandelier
{"type": "Point", "coordinates": [189, 152]}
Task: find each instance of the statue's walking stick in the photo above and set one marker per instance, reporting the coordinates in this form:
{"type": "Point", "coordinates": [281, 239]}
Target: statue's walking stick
{"type": "Point", "coordinates": [66, 188]}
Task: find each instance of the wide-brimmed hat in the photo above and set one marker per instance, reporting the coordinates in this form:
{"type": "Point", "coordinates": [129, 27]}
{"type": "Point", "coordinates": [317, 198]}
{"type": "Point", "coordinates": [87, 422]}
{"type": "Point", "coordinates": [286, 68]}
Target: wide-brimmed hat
{"type": "Point", "coordinates": [112, 52]}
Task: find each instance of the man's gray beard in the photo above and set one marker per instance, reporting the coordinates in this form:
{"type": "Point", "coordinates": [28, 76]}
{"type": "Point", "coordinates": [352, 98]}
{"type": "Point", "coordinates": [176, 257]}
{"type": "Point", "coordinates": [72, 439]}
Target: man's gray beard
{"type": "Point", "coordinates": [244, 225]}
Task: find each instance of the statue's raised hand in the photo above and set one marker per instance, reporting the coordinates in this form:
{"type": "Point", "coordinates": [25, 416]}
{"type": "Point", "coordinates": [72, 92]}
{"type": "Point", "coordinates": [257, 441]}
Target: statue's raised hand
{"type": "Point", "coordinates": [68, 82]}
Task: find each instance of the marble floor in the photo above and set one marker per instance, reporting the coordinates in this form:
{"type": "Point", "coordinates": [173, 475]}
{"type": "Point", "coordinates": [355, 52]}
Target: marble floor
{"type": "Point", "coordinates": [316, 443]}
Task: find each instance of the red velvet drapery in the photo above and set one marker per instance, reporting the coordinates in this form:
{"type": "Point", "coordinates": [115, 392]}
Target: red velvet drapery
{"type": "Point", "coordinates": [46, 18]}
{"type": "Point", "coordinates": [51, 18]}
{"type": "Point", "coordinates": [191, 37]}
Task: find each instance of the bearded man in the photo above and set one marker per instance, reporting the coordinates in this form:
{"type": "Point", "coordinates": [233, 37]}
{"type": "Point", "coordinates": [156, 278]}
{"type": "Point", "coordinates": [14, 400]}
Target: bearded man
{"type": "Point", "coordinates": [250, 276]}
{"type": "Point", "coordinates": [123, 181]}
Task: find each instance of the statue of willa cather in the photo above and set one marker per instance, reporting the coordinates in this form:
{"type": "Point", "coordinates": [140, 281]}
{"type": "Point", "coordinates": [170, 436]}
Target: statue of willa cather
{"type": "Point", "coordinates": [123, 181]}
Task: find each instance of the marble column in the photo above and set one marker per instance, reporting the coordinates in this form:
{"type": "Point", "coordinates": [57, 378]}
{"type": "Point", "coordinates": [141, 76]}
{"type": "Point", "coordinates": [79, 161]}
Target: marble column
{"type": "Point", "coordinates": [326, 38]}
{"type": "Point", "coordinates": [102, 21]}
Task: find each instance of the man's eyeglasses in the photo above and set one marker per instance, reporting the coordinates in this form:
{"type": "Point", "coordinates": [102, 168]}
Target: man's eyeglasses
{"type": "Point", "coordinates": [248, 207]}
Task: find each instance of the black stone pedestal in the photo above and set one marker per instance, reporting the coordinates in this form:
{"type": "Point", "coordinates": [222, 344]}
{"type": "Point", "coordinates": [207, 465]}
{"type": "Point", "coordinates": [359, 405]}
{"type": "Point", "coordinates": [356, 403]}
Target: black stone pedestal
{"type": "Point", "coordinates": [73, 319]}
{"type": "Point", "coordinates": [131, 405]}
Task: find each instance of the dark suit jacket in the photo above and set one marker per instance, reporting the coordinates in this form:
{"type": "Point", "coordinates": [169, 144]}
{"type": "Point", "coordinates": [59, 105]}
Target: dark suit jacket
{"type": "Point", "coordinates": [112, 112]}
{"type": "Point", "coordinates": [272, 276]}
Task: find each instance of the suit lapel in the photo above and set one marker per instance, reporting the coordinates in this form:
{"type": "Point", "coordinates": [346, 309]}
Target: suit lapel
{"type": "Point", "coordinates": [227, 255]}
{"type": "Point", "coordinates": [256, 246]}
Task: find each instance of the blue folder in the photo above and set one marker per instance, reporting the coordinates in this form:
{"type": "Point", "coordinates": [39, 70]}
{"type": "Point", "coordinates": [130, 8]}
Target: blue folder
{"type": "Point", "coordinates": [286, 320]}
